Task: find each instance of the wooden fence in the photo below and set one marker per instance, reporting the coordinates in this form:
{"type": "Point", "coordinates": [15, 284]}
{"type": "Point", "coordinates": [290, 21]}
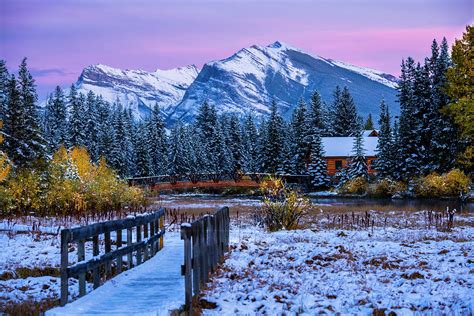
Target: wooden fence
{"type": "Point", "coordinates": [144, 238]}
{"type": "Point", "coordinates": [205, 242]}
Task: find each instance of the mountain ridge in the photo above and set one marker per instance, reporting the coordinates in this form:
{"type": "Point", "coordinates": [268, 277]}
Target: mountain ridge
{"type": "Point", "coordinates": [246, 81]}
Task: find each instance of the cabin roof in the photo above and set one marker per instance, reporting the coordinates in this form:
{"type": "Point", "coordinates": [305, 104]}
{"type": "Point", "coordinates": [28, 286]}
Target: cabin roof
{"type": "Point", "coordinates": [342, 146]}
{"type": "Point", "coordinates": [370, 132]}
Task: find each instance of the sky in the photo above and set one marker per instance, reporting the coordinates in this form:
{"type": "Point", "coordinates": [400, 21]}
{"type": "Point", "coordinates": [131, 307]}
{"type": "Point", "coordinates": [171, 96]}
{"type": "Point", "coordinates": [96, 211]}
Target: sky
{"type": "Point", "coordinates": [60, 38]}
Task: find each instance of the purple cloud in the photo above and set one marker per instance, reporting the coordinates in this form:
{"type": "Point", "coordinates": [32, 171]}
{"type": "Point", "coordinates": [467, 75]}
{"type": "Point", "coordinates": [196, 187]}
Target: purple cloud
{"type": "Point", "coordinates": [149, 34]}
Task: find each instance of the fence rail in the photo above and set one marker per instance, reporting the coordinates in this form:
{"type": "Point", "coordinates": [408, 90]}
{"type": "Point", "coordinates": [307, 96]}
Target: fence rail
{"type": "Point", "coordinates": [144, 238]}
{"type": "Point", "coordinates": [205, 242]}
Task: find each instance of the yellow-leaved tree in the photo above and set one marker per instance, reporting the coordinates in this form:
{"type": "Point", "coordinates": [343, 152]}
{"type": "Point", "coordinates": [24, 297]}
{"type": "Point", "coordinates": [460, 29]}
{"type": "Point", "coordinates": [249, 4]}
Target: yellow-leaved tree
{"type": "Point", "coordinates": [4, 163]}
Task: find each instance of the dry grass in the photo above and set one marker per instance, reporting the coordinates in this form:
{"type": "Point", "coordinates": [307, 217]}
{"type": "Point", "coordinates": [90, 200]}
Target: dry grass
{"type": "Point", "coordinates": [29, 307]}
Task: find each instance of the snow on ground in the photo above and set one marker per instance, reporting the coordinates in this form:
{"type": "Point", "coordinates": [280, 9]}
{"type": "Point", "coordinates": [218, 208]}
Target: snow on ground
{"type": "Point", "coordinates": [152, 288]}
{"type": "Point", "coordinates": [34, 289]}
{"type": "Point", "coordinates": [351, 272]}
{"type": "Point", "coordinates": [28, 251]}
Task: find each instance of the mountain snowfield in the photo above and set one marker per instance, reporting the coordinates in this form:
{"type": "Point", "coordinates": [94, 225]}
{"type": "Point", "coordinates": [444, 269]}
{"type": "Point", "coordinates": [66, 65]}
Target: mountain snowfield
{"type": "Point", "coordinates": [138, 89]}
{"type": "Point", "coordinates": [246, 82]}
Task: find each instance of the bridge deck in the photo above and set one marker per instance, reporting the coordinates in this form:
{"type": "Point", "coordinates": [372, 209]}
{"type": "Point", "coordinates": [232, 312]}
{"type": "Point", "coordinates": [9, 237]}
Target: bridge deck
{"type": "Point", "coordinates": [152, 288]}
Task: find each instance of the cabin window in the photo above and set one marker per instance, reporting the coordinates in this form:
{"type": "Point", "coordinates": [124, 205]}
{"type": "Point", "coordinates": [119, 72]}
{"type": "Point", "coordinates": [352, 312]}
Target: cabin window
{"type": "Point", "coordinates": [338, 164]}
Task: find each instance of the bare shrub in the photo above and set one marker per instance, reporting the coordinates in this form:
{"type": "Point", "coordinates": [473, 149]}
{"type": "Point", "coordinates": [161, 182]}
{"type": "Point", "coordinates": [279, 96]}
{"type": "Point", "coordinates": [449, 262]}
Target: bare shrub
{"type": "Point", "coordinates": [283, 207]}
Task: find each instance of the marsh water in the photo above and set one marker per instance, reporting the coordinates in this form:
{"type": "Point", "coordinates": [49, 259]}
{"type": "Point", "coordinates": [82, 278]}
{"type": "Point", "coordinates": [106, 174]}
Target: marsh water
{"type": "Point", "coordinates": [215, 200]}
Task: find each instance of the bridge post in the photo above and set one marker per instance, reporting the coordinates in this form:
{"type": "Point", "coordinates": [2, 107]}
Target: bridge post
{"type": "Point", "coordinates": [188, 294]}
{"type": "Point", "coordinates": [65, 236]}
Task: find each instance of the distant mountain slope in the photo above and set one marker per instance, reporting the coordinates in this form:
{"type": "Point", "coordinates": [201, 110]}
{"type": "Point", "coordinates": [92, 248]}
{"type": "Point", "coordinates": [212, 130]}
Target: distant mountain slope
{"type": "Point", "coordinates": [245, 82]}
{"type": "Point", "coordinates": [250, 79]}
{"type": "Point", "coordinates": [138, 89]}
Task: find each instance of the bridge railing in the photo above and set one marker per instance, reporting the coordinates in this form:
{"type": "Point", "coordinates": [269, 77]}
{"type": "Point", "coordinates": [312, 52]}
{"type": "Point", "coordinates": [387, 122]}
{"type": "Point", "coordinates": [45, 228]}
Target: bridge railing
{"type": "Point", "coordinates": [144, 238]}
{"type": "Point", "coordinates": [206, 240]}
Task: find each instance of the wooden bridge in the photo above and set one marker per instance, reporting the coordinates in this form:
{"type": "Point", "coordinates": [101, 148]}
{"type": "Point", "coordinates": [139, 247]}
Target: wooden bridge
{"type": "Point", "coordinates": [145, 274]}
{"type": "Point", "coordinates": [209, 180]}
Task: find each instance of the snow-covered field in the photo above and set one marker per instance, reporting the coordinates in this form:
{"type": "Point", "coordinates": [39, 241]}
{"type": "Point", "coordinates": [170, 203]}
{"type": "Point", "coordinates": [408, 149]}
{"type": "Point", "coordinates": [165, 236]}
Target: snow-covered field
{"type": "Point", "coordinates": [349, 272]}
{"type": "Point", "coordinates": [399, 265]}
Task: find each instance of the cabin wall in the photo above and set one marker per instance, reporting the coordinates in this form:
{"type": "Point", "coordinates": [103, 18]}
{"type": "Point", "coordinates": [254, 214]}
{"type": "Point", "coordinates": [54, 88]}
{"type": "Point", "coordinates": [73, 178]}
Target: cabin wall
{"type": "Point", "coordinates": [331, 164]}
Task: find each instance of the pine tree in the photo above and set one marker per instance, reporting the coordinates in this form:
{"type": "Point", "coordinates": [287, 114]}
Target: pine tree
{"type": "Point", "coordinates": [250, 145]}
{"type": "Point", "coordinates": [77, 135]}
{"type": "Point", "coordinates": [369, 125]}
{"type": "Point", "coordinates": [444, 137]}
{"type": "Point", "coordinates": [105, 130]}
{"type": "Point", "coordinates": [121, 153]}
{"type": "Point", "coordinates": [143, 166]}
{"type": "Point", "coordinates": [299, 132]}
{"type": "Point", "coordinates": [235, 144]}
{"type": "Point", "coordinates": [92, 126]}
{"type": "Point", "coordinates": [157, 142]}
{"type": "Point", "coordinates": [346, 119]}
{"type": "Point", "coordinates": [24, 141]}
{"type": "Point", "coordinates": [4, 80]}
{"type": "Point", "coordinates": [178, 156]}
{"type": "Point", "coordinates": [317, 167]}
{"type": "Point", "coordinates": [384, 162]}
{"type": "Point", "coordinates": [289, 153]}
{"type": "Point", "coordinates": [409, 156]}
{"type": "Point", "coordinates": [273, 142]}
{"type": "Point", "coordinates": [56, 120]}
{"type": "Point", "coordinates": [358, 161]}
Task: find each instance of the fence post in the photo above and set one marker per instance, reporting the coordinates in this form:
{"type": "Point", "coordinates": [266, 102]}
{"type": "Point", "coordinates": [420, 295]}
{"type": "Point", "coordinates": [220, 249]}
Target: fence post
{"type": "Point", "coordinates": [195, 259]}
{"type": "Point", "coordinates": [82, 276]}
{"type": "Point", "coordinates": [185, 235]}
{"type": "Point", "coordinates": [65, 235]}
{"type": "Point", "coordinates": [162, 227]}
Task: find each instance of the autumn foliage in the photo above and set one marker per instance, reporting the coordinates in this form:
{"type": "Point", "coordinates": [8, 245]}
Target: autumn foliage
{"type": "Point", "coordinates": [71, 185]}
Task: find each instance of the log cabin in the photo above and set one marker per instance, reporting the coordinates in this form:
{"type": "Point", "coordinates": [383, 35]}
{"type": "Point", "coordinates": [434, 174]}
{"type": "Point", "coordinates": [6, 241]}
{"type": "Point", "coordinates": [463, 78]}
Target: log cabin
{"type": "Point", "coordinates": [339, 149]}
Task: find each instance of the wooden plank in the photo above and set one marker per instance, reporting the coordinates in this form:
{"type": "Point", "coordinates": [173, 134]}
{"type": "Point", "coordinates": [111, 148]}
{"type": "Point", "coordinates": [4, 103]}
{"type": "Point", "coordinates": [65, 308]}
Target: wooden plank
{"type": "Point", "coordinates": [185, 235]}
{"type": "Point", "coordinates": [162, 228]}
{"type": "Point", "coordinates": [65, 237]}
{"type": "Point", "coordinates": [110, 226]}
{"type": "Point", "coordinates": [95, 245]}
{"type": "Point", "coordinates": [118, 239]}
{"type": "Point", "coordinates": [129, 244]}
{"type": "Point", "coordinates": [95, 262]}
{"type": "Point", "coordinates": [81, 255]}
{"type": "Point", "coordinates": [203, 251]}
{"type": "Point", "coordinates": [108, 248]}
{"type": "Point", "coordinates": [152, 233]}
{"type": "Point", "coordinates": [139, 238]}
{"type": "Point", "coordinates": [195, 259]}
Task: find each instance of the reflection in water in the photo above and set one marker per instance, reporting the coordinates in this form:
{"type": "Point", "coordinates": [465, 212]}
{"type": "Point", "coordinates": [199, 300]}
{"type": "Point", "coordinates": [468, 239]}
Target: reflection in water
{"type": "Point", "coordinates": [400, 204]}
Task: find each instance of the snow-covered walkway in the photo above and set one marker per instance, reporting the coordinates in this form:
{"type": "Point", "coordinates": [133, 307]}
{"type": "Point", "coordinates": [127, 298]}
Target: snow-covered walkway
{"type": "Point", "coordinates": [152, 288]}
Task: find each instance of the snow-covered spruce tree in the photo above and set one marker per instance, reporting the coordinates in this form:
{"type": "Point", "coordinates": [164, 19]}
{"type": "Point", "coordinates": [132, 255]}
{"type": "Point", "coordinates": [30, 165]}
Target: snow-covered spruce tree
{"type": "Point", "coordinates": [369, 124]}
{"type": "Point", "coordinates": [143, 166]}
{"type": "Point", "coordinates": [56, 120]}
{"type": "Point", "coordinates": [329, 113]}
{"type": "Point", "coordinates": [358, 161]}
{"type": "Point", "coordinates": [24, 141]}
{"type": "Point", "coordinates": [219, 157]}
{"type": "Point", "coordinates": [409, 155]}
{"type": "Point", "coordinates": [91, 126]}
{"type": "Point", "coordinates": [77, 131]}
{"type": "Point", "coordinates": [178, 163]}
{"type": "Point", "coordinates": [346, 119]}
{"type": "Point", "coordinates": [423, 115]}
{"type": "Point", "coordinates": [289, 153]}
{"type": "Point", "coordinates": [395, 151]}
{"type": "Point", "coordinates": [317, 166]}
{"type": "Point", "coordinates": [4, 80]}
{"type": "Point", "coordinates": [444, 139]}
{"type": "Point", "coordinates": [205, 126]}
{"type": "Point", "coordinates": [250, 145]}
{"type": "Point", "coordinates": [35, 142]}
{"type": "Point", "coordinates": [129, 126]}
{"type": "Point", "coordinates": [316, 116]}
{"type": "Point", "coordinates": [235, 144]}
{"type": "Point", "coordinates": [299, 133]}
{"type": "Point", "coordinates": [105, 130]}
{"type": "Point", "coordinates": [157, 142]}
{"type": "Point", "coordinates": [273, 141]}
{"type": "Point", "coordinates": [385, 160]}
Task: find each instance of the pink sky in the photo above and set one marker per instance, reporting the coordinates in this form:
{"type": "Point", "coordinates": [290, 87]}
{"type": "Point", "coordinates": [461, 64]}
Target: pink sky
{"type": "Point", "coordinates": [60, 38]}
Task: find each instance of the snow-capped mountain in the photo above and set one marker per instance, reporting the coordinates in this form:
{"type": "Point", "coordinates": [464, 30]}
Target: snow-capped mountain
{"type": "Point", "coordinates": [137, 89]}
{"type": "Point", "coordinates": [253, 77]}
{"type": "Point", "coordinates": [247, 81]}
